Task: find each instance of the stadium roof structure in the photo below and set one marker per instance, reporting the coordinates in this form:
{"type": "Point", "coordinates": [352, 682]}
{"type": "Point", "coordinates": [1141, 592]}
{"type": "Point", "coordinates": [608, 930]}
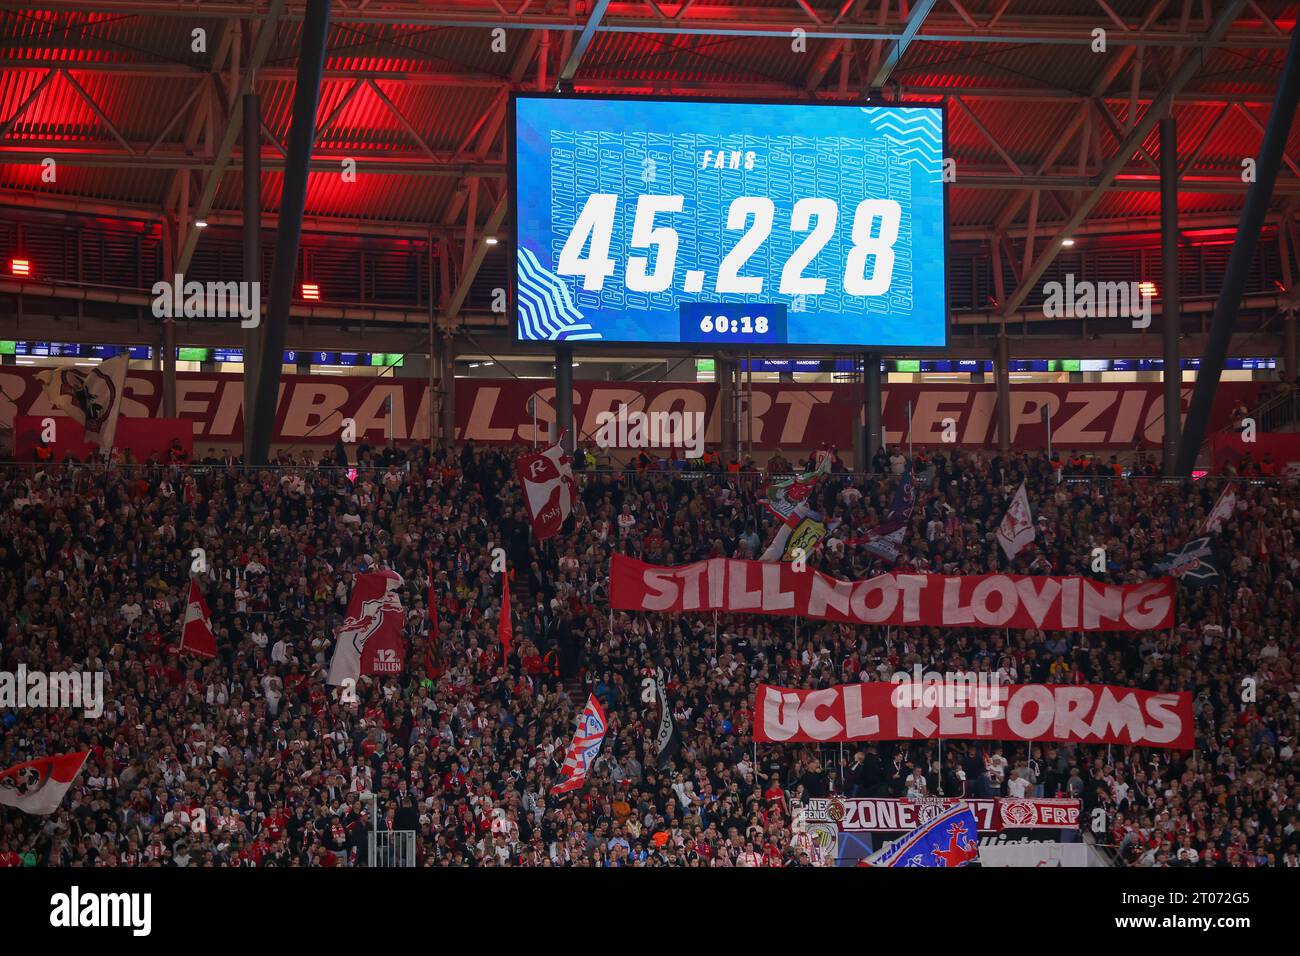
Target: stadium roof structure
{"type": "Point", "coordinates": [140, 114]}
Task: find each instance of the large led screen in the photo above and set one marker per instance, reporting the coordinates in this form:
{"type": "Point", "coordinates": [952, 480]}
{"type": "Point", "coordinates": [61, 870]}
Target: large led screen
{"type": "Point", "coordinates": [727, 223]}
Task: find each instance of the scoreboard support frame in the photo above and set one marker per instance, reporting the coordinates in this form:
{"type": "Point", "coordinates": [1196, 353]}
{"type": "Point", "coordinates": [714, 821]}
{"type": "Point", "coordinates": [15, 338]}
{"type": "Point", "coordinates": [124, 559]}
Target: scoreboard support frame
{"type": "Point", "coordinates": [1002, 377]}
{"type": "Point", "coordinates": [564, 396]}
{"type": "Point", "coordinates": [871, 401]}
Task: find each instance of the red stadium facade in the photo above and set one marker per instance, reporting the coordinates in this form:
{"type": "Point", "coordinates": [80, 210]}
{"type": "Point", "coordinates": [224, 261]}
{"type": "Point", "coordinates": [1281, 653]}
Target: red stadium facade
{"type": "Point", "coordinates": [788, 417]}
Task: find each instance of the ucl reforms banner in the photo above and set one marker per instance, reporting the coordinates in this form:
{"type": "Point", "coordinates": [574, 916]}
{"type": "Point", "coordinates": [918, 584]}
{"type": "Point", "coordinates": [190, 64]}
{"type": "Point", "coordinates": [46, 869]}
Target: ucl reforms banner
{"type": "Point", "coordinates": [1067, 713]}
{"type": "Point", "coordinates": [794, 416]}
{"type": "Point", "coordinates": [926, 600]}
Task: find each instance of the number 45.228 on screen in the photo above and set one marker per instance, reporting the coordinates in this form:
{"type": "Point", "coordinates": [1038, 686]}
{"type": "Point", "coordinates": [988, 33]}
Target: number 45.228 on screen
{"type": "Point", "coordinates": [594, 232]}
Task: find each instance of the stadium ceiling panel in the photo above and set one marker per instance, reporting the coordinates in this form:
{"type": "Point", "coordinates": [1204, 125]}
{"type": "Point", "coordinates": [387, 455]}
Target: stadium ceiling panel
{"type": "Point", "coordinates": [134, 110]}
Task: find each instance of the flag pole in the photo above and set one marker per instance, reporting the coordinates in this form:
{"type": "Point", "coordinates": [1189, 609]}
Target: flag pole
{"type": "Point", "coordinates": [909, 431]}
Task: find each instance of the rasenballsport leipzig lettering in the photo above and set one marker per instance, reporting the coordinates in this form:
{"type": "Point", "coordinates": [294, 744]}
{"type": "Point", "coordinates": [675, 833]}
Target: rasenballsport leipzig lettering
{"type": "Point", "coordinates": [497, 411]}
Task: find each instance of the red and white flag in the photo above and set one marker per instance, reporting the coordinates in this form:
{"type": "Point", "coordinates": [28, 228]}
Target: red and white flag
{"type": "Point", "coordinates": [549, 488]}
{"type": "Point", "coordinates": [1017, 529]}
{"type": "Point", "coordinates": [38, 786]}
{"type": "Point", "coordinates": [370, 640]}
{"type": "Point", "coordinates": [505, 631]}
{"type": "Point", "coordinates": [583, 748]}
{"type": "Point", "coordinates": [196, 633]}
{"type": "Point", "coordinates": [1224, 510]}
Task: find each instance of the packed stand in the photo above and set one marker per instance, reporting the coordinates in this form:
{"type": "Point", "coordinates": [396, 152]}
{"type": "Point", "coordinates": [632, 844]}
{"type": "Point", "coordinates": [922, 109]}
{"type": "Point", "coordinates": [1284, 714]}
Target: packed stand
{"type": "Point", "coordinates": [250, 760]}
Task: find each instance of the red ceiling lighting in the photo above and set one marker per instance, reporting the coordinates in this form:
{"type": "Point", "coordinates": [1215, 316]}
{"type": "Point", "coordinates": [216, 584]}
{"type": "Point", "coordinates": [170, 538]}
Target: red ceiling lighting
{"type": "Point", "coordinates": [311, 291]}
{"type": "Point", "coordinates": [22, 268]}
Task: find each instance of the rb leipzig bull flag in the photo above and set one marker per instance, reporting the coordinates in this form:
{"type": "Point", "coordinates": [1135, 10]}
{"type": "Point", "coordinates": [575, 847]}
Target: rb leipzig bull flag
{"type": "Point", "coordinates": [1068, 713]}
{"type": "Point", "coordinates": [926, 600]}
{"type": "Point", "coordinates": [38, 786]}
{"type": "Point", "coordinates": [1017, 529]}
{"type": "Point", "coordinates": [196, 634]}
{"type": "Point", "coordinates": [370, 639]}
{"type": "Point", "coordinates": [583, 748]}
{"type": "Point", "coordinates": [90, 396]}
{"type": "Point", "coordinates": [549, 489]}
{"type": "Point", "coordinates": [951, 839]}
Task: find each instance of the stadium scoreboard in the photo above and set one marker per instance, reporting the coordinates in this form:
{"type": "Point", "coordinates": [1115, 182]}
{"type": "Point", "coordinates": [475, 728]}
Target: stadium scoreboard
{"type": "Point", "coordinates": [707, 222]}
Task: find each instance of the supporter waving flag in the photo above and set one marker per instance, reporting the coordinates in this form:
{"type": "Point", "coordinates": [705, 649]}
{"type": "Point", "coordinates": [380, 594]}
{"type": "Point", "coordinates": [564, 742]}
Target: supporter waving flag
{"type": "Point", "coordinates": [668, 740]}
{"type": "Point", "coordinates": [38, 786]}
{"type": "Point", "coordinates": [91, 397]}
{"type": "Point", "coordinates": [1225, 509]}
{"type": "Point", "coordinates": [782, 498]}
{"type": "Point", "coordinates": [549, 489]}
{"type": "Point", "coordinates": [584, 747]}
{"type": "Point", "coordinates": [196, 634]}
{"type": "Point", "coordinates": [800, 535]}
{"type": "Point", "coordinates": [950, 839]}
{"type": "Point", "coordinates": [1017, 529]}
{"type": "Point", "coordinates": [370, 640]}
{"type": "Point", "coordinates": [886, 538]}
{"type": "Point", "coordinates": [1192, 564]}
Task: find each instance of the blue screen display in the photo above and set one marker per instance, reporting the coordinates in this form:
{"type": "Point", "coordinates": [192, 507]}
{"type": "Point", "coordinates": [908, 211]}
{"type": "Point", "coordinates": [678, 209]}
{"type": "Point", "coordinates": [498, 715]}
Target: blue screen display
{"type": "Point", "coordinates": [671, 221]}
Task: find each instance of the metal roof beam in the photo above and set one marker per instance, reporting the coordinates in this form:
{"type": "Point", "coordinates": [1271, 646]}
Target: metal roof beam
{"type": "Point", "coordinates": [920, 10]}
{"type": "Point", "coordinates": [167, 71]}
{"type": "Point", "coordinates": [827, 54]}
{"type": "Point", "coordinates": [702, 21]}
{"type": "Point", "coordinates": [588, 33]}
{"type": "Point", "coordinates": [26, 103]}
{"type": "Point", "coordinates": [383, 162]}
{"type": "Point", "coordinates": [481, 247]}
{"type": "Point", "coordinates": [1120, 158]}
{"type": "Point", "coordinates": [233, 123]}
{"type": "Point", "coordinates": [377, 161]}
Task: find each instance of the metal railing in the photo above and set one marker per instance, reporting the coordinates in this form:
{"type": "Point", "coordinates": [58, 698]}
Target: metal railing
{"type": "Point", "coordinates": [391, 848]}
{"type": "Point", "coordinates": [1277, 412]}
{"type": "Point", "coordinates": [1271, 415]}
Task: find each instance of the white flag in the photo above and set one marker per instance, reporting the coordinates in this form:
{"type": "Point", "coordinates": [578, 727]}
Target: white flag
{"type": "Point", "coordinates": [90, 396]}
{"type": "Point", "coordinates": [1017, 529]}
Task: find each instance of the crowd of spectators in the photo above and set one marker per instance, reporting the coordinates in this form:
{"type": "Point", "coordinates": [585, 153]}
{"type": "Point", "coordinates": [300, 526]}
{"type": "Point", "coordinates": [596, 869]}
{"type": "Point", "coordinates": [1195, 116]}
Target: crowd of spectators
{"type": "Point", "coordinates": [250, 759]}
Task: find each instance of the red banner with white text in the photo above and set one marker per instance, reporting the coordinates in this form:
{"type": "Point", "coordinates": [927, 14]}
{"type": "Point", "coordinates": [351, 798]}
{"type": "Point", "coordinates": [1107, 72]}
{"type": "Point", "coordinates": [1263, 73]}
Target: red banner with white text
{"type": "Point", "coordinates": [1068, 713]}
{"type": "Point", "coordinates": [900, 600]}
{"type": "Point", "coordinates": [785, 415]}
